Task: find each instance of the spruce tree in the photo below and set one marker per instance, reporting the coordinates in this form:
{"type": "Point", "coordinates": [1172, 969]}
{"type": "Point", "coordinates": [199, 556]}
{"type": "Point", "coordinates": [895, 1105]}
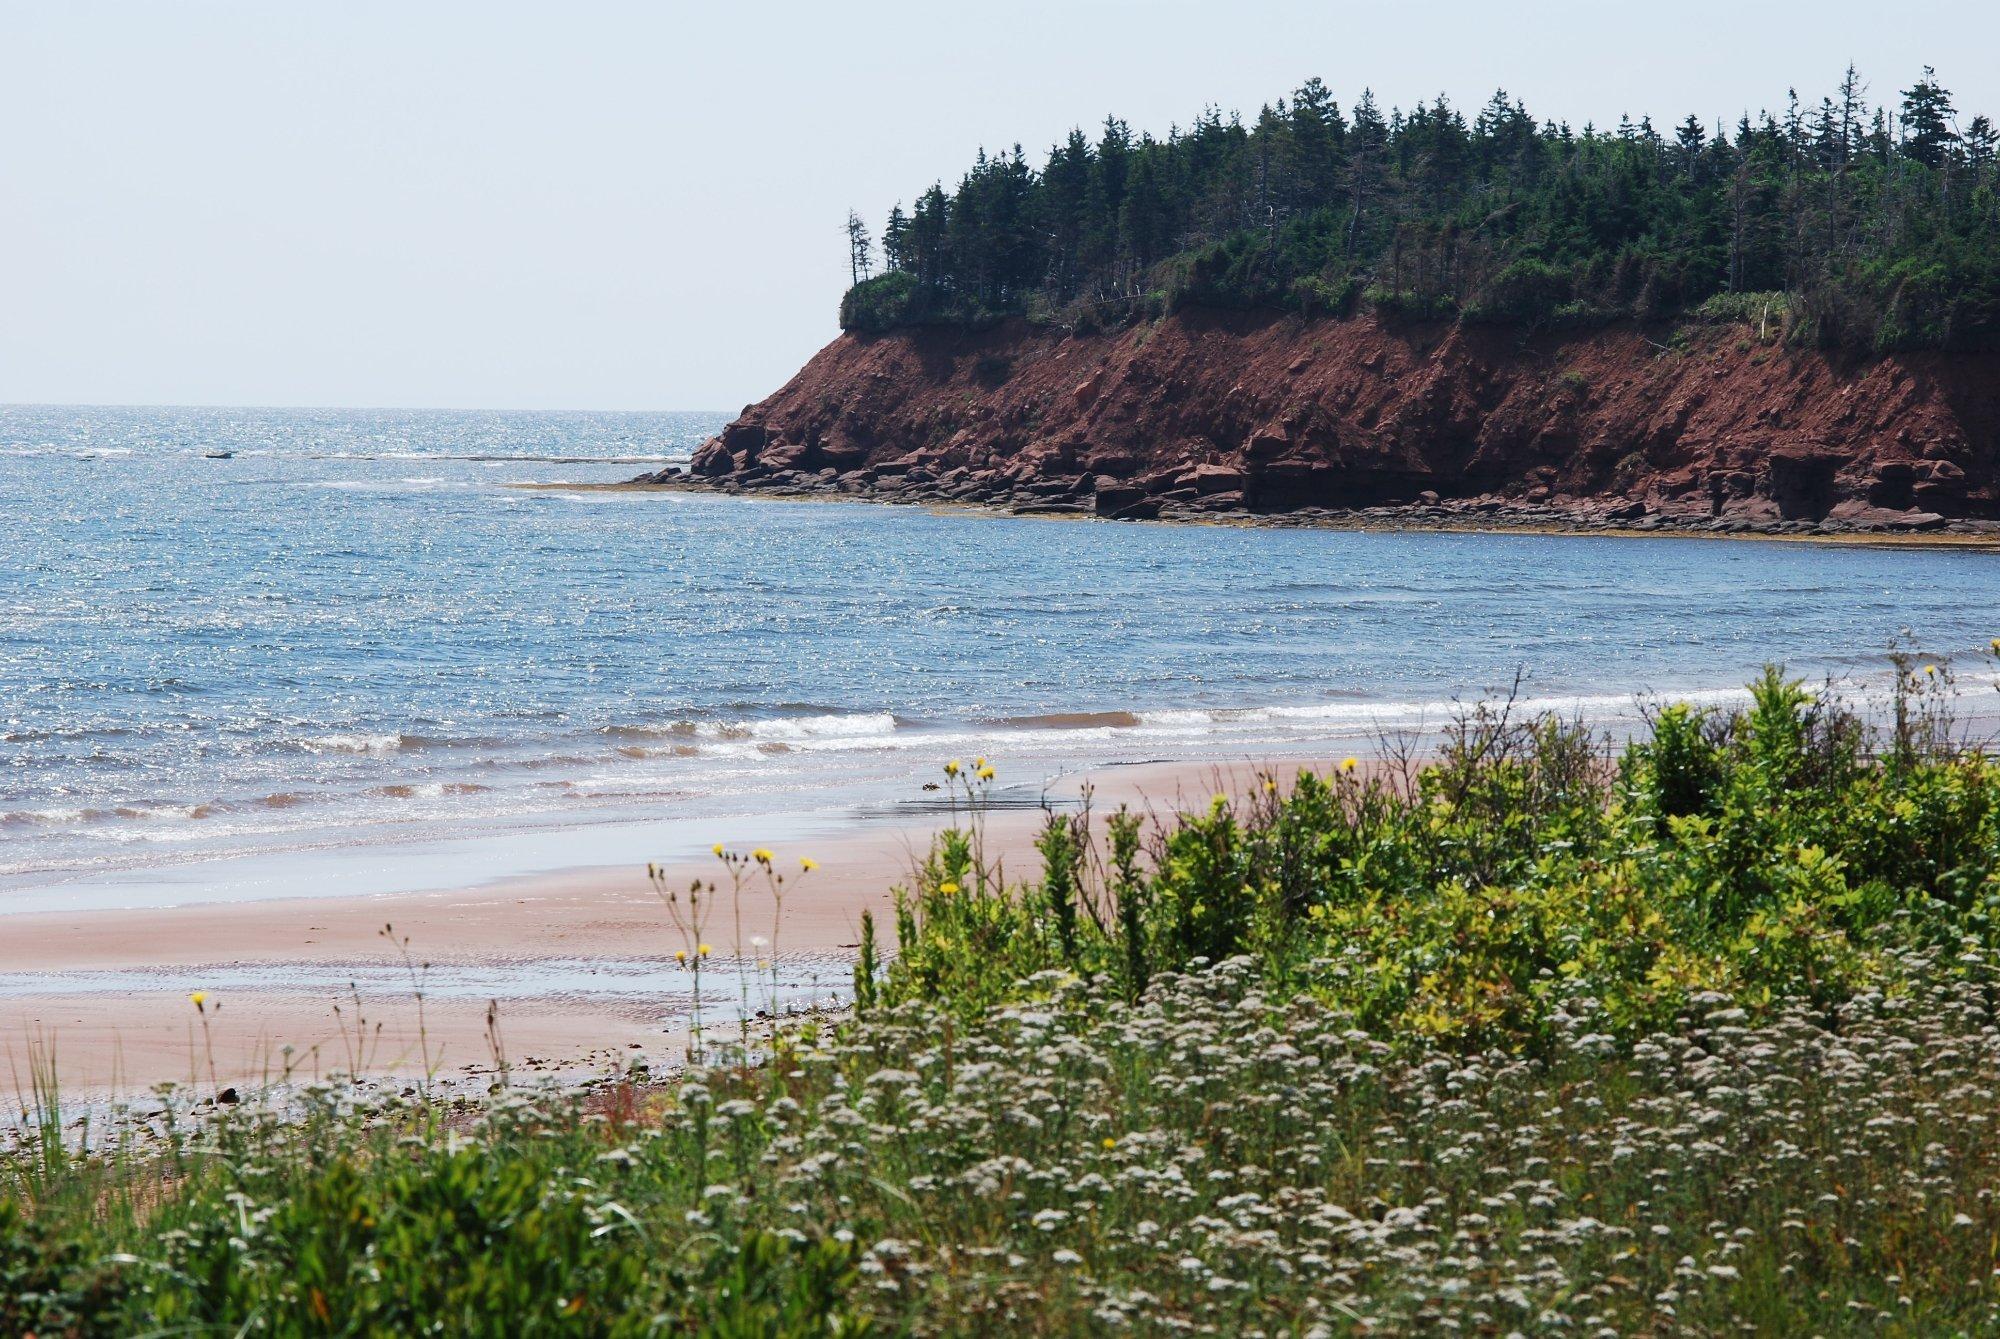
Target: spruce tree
{"type": "Point", "coordinates": [1928, 136]}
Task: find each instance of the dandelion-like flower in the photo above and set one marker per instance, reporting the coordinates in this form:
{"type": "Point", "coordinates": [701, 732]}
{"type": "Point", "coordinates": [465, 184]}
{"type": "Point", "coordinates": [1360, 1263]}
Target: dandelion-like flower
{"type": "Point", "coordinates": [1348, 764]}
{"type": "Point", "coordinates": [985, 772]}
{"type": "Point", "coordinates": [198, 999]}
{"type": "Point", "coordinates": [762, 855]}
{"type": "Point", "coordinates": [948, 887]}
{"type": "Point", "coordinates": [680, 955]}
{"type": "Point", "coordinates": [952, 768]}
{"type": "Point", "coordinates": [703, 950]}
{"type": "Point", "coordinates": [808, 864]}
{"type": "Point", "coordinates": [717, 848]}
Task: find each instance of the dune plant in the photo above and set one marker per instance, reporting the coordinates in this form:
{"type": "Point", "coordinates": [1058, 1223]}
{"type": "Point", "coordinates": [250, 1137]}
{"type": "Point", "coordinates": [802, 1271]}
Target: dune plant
{"type": "Point", "coordinates": [1694, 1036]}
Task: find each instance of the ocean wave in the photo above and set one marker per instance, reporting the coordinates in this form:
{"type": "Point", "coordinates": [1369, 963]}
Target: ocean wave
{"type": "Point", "coordinates": [156, 812]}
{"type": "Point", "coordinates": [139, 811]}
{"type": "Point", "coordinates": [864, 725]}
{"type": "Point", "coordinates": [1074, 720]}
{"type": "Point", "coordinates": [835, 726]}
{"type": "Point", "coordinates": [51, 817]}
{"type": "Point", "coordinates": [642, 751]}
{"type": "Point", "coordinates": [1588, 705]}
{"type": "Point", "coordinates": [428, 790]}
{"type": "Point", "coordinates": [378, 743]}
{"type": "Point", "coordinates": [369, 744]}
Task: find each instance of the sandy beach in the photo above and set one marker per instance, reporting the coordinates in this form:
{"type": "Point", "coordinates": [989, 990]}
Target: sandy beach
{"type": "Point", "coordinates": [580, 962]}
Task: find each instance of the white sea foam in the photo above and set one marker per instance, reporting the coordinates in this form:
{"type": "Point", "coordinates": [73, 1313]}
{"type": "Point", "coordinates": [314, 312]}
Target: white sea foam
{"type": "Point", "coordinates": [868, 726]}
{"type": "Point", "coordinates": [344, 671]}
{"type": "Point", "coordinates": [355, 743]}
{"type": "Point", "coordinates": [1590, 706]}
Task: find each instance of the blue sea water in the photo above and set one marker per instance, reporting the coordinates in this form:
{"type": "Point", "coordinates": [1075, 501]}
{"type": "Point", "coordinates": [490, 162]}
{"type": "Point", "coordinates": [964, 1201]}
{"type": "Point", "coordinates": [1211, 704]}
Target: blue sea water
{"type": "Point", "coordinates": [353, 630]}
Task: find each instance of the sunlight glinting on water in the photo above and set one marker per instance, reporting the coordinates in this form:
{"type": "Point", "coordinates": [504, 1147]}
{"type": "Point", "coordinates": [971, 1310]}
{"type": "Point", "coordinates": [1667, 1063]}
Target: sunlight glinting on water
{"type": "Point", "coordinates": [232, 631]}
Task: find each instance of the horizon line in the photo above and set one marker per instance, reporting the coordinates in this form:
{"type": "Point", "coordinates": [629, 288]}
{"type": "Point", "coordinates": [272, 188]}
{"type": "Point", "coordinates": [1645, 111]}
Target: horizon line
{"type": "Point", "coordinates": [347, 408]}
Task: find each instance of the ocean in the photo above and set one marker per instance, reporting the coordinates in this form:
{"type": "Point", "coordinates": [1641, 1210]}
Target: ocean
{"type": "Point", "coordinates": [352, 633]}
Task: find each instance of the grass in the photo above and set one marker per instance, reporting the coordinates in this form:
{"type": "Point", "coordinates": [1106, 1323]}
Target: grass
{"type": "Point", "coordinates": [1696, 1036]}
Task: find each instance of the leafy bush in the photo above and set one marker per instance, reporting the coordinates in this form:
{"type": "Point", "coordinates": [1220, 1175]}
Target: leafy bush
{"type": "Point", "coordinates": [1761, 854]}
{"type": "Point", "coordinates": [1526, 292]}
{"type": "Point", "coordinates": [1695, 1037]}
{"type": "Point", "coordinates": [1754, 309]}
{"type": "Point", "coordinates": [1313, 295]}
{"type": "Point", "coordinates": [884, 303]}
{"type": "Point", "coordinates": [1394, 304]}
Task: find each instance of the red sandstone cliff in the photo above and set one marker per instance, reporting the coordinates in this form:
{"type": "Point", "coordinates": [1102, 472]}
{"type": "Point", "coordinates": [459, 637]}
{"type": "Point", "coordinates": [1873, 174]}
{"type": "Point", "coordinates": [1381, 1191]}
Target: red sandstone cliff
{"type": "Point", "coordinates": [1215, 412]}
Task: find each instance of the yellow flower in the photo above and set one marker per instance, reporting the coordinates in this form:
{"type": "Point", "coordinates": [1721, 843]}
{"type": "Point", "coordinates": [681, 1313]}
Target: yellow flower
{"type": "Point", "coordinates": [1219, 801]}
{"type": "Point", "coordinates": [985, 772]}
{"type": "Point", "coordinates": [1109, 1142]}
{"type": "Point", "coordinates": [1347, 764]}
{"type": "Point", "coordinates": [199, 998]}
{"type": "Point", "coordinates": [680, 955]}
{"type": "Point", "coordinates": [1930, 669]}
{"type": "Point", "coordinates": [761, 855]}
{"type": "Point", "coordinates": [979, 762]}
{"type": "Point", "coordinates": [1995, 644]}
{"type": "Point", "coordinates": [947, 887]}
{"type": "Point", "coordinates": [717, 848]}
{"type": "Point", "coordinates": [1270, 786]}
{"type": "Point", "coordinates": [808, 864]}
{"type": "Point", "coordinates": [951, 768]}
{"type": "Point", "coordinates": [703, 950]}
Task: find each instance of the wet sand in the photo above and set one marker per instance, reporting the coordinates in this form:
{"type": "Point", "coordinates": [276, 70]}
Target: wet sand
{"type": "Point", "coordinates": [566, 957]}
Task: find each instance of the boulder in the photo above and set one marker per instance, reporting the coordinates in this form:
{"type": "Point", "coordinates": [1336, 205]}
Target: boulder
{"type": "Point", "coordinates": [1112, 498]}
{"type": "Point", "coordinates": [712, 460]}
{"type": "Point", "coordinates": [1215, 479]}
{"type": "Point", "coordinates": [1268, 444]}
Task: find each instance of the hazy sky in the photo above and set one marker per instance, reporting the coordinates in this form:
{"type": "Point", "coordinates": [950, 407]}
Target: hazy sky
{"type": "Point", "coordinates": [597, 205]}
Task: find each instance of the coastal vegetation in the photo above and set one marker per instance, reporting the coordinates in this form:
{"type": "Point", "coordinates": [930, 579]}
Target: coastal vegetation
{"type": "Point", "coordinates": [1527, 1033]}
{"type": "Point", "coordinates": [1834, 223]}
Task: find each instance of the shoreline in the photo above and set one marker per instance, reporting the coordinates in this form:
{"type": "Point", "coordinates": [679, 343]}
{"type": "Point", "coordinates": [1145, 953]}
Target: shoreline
{"type": "Point", "coordinates": [1520, 518]}
{"type": "Point", "coordinates": [579, 958]}
{"type": "Point", "coordinates": [104, 993]}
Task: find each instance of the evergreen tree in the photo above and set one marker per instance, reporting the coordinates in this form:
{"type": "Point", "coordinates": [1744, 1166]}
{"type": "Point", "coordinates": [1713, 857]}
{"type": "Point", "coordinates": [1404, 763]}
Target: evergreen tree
{"type": "Point", "coordinates": [894, 239]}
{"type": "Point", "coordinates": [1690, 137]}
{"type": "Point", "coordinates": [1927, 121]}
{"type": "Point", "coordinates": [1885, 229]}
{"type": "Point", "coordinates": [857, 247]}
{"type": "Point", "coordinates": [1979, 139]}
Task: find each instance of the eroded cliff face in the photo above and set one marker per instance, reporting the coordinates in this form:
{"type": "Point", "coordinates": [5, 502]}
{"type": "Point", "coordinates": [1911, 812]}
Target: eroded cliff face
{"type": "Point", "coordinates": [1206, 413]}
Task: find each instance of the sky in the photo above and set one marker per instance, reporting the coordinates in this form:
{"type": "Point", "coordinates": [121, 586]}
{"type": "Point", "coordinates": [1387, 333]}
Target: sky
{"type": "Point", "coordinates": [641, 206]}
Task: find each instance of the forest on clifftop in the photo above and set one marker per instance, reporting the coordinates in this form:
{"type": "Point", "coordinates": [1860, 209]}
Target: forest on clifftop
{"type": "Point", "coordinates": [1839, 223]}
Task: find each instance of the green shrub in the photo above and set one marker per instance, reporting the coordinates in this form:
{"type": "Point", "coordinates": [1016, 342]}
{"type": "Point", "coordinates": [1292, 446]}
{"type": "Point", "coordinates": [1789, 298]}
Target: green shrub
{"type": "Point", "coordinates": [1526, 292]}
{"type": "Point", "coordinates": [1392, 304]}
{"type": "Point", "coordinates": [884, 303]}
{"type": "Point", "coordinates": [1761, 853]}
{"type": "Point", "coordinates": [1695, 1037]}
{"type": "Point", "coordinates": [1315, 296]}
